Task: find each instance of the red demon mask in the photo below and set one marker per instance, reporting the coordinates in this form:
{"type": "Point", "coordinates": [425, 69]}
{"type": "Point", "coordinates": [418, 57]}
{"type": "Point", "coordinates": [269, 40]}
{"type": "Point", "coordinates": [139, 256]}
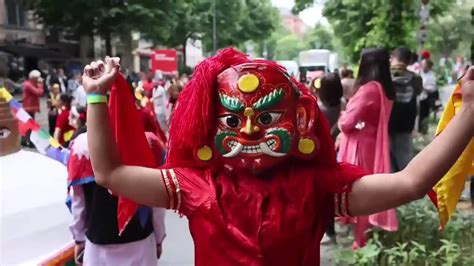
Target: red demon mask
{"type": "Point", "coordinates": [262, 117]}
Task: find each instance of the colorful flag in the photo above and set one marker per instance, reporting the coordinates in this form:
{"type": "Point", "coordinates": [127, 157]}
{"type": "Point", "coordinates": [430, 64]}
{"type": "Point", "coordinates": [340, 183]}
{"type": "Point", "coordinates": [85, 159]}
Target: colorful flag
{"type": "Point", "coordinates": [450, 187]}
{"type": "Point", "coordinates": [43, 142]}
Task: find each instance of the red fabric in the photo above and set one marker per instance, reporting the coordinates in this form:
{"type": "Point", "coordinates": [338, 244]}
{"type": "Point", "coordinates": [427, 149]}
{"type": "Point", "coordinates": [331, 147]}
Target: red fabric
{"type": "Point", "coordinates": [151, 125]}
{"type": "Point", "coordinates": [62, 122]}
{"type": "Point", "coordinates": [79, 168]}
{"type": "Point", "coordinates": [24, 128]}
{"type": "Point", "coordinates": [277, 219]}
{"type": "Point", "coordinates": [156, 147]}
{"type": "Point", "coordinates": [147, 87]}
{"type": "Point", "coordinates": [257, 221]}
{"type": "Point", "coordinates": [129, 134]}
{"type": "Point", "coordinates": [425, 54]}
{"type": "Point", "coordinates": [31, 94]}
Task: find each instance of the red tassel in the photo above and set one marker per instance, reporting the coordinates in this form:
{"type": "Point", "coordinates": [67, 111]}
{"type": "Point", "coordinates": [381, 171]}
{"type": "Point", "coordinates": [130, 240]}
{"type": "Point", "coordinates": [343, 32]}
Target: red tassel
{"type": "Point", "coordinates": [132, 144]}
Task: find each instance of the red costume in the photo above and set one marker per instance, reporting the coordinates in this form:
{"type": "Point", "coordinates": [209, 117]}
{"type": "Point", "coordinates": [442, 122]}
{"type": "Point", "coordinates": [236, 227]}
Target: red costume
{"type": "Point", "coordinates": [252, 165]}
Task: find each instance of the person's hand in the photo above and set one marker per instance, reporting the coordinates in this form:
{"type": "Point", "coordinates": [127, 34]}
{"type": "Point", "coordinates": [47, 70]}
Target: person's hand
{"type": "Point", "coordinates": [78, 249]}
{"type": "Point", "coordinates": [467, 86]}
{"type": "Point", "coordinates": [99, 76]}
{"type": "Point", "coordinates": [337, 141]}
{"type": "Point", "coordinates": [158, 251]}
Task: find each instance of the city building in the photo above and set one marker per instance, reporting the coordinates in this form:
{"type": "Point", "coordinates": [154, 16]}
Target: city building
{"type": "Point", "coordinates": [293, 23]}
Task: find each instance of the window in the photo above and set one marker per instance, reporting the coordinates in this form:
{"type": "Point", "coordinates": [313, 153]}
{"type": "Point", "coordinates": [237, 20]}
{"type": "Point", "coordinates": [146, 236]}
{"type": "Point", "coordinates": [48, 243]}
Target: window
{"type": "Point", "coordinates": [16, 13]}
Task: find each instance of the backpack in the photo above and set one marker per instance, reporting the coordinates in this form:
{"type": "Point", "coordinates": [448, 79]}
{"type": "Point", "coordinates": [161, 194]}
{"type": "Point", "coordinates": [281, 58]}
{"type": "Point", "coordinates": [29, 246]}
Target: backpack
{"type": "Point", "coordinates": [404, 109]}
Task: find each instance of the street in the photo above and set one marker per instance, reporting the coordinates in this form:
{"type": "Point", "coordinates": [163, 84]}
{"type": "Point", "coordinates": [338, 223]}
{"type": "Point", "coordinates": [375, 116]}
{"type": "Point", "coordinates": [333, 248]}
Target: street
{"type": "Point", "coordinates": [178, 249]}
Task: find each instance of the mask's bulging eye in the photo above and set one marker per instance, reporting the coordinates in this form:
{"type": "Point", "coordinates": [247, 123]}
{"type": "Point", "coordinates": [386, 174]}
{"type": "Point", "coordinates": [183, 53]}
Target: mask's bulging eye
{"type": "Point", "coordinates": [230, 121]}
{"type": "Point", "coordinates": [4, 133]}
{"type": "Point", "coordinates": [269, 118]}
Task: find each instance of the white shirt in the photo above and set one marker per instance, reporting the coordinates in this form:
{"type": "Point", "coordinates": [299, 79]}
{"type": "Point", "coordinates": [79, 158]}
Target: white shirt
{"type": "Point", "coordinates": [80, 97]}
{"type": "Point", "coordinates": [160, 99]}
{"type": "Point", "coordinates": [429, 81]}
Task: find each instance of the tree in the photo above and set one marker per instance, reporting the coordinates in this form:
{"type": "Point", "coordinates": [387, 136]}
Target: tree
{"type": "Point", "coordinates": [450, 32]}
{"type": "Point", "coordinates": [319, 37]}
{"type": "Point", "coordinates": [267, 47]}
{"type": "Point", "coordinates": [103, 17]}
{"type": "Point", "coordinates": [288, 48]}
{"type": "Point", "coordinates": [186, 20]}
{"type": "Point", "coordinates": [239, 21]}
{"type": "Point", "coordinates": [301, 5]}
{"type": "Point", "coordinates": [389, 24]}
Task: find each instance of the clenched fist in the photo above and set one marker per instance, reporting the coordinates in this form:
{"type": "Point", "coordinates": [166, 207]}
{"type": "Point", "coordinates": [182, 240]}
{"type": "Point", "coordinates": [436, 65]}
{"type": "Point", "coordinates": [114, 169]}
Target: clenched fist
{"type": "Point", "coordinates": [99, 76]}
{"type": "Point", "coordinates": [467, 86]}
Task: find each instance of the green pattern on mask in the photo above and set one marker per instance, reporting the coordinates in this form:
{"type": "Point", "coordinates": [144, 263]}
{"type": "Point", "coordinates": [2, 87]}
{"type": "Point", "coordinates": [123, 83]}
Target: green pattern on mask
{"type": "Point", "coordinates": [285, 139]}
{"type": "Point", "coordinates": [219, 139]}
{"type": "Point", "coordinates": [231, 103]}
{"type": "Point", "coordinates": [269, 100]}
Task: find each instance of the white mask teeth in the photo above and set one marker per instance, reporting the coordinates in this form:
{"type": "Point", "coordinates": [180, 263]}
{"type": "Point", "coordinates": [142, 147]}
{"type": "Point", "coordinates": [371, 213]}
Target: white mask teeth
{"type": "Point", "coordinates": [268, 151]}
{"type": "Point", "coordinates": [266, 147]}
{"type": "Point", "coordinates": [271, 144]}
{"type": "Point", "coordinates": [236, 150]}
{"type": "Point", "coordinates": [252, 149]}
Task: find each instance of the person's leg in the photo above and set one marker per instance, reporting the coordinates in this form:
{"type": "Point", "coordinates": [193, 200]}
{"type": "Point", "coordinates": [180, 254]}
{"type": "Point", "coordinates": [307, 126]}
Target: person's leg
{"type": "Point", "coordinates": [424, 113]}
{"type": "Point", "coordinates": [25, 140]}
{"type": "Point", "coordinates": [330, 230]}
{"type": "Point", "coordinates": [51, 123]}
{"type": "Point", "coordinates": [330, 233]}
{"type": "Point", "coordinates": [394, 153]}
{"type": "Point", "coordinates": [472, 191]}
{"type": "Point", "coordinates": [406, 150]}
{"type": "Point", "coordinates": [32, 114]}
{"type": "Point", "coordinates": [360, 227]}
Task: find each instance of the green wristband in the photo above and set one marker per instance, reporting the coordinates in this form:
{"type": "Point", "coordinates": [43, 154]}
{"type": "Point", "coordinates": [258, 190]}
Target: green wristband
{"type": "Point", "coordinates": [96, 99]}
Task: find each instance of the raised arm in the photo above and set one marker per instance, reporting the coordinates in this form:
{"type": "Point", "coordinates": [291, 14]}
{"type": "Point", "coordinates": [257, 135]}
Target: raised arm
{"type": "Point", "coordinates": [140, 184]}
{"type": "Point", "coordinates": [374, 193]}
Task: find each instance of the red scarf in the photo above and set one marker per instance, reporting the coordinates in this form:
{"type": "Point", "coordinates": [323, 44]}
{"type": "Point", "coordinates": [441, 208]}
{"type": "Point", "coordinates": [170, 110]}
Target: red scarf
{"type": "Point", "coordinates": [132, 144]}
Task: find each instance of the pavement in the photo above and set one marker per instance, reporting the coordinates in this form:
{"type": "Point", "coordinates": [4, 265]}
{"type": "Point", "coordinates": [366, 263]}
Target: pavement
{"type": "Point", "coordinates": [178, 248]}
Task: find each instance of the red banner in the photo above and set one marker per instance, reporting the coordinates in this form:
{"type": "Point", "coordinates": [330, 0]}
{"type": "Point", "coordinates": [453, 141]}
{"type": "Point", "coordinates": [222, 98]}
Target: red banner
{"type": "Point", "coordinates": [165, 61]}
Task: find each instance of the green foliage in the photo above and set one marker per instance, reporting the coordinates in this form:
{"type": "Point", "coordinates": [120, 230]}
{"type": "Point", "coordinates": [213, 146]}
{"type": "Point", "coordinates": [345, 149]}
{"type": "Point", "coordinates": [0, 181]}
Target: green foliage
{"type": "Point", "coordinates": [92, 17]}
{"type": "Point", "coordinates": [270, 44]}
{"type": "Point", "coordinates": [319, 37]}
{"type": "Point", "coordinates": [383, 23]}
{"type": "Point", "coordinates": [418, 241]}
{"type": "Point", "coordinates": [166, 22]}
{"type": "Point", "coordinates": [300, 5]}
{"type": "Point", "coordinates": [451, 32]}
{"type": "Point", "coordinates": [238, 22]}
{"type": "Point", "coordinates": [288, 47]}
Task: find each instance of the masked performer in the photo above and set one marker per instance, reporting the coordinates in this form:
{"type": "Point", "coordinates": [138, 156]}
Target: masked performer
{"type": "Point", "coordinates": [252, 165]}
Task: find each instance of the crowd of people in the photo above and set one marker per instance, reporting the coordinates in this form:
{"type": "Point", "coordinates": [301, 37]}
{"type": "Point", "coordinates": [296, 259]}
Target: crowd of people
{"type": "Point", "coordinates": [93, 208]}
{"type": "Point", "coordinates": [66, 100]}
{"type": "Point", "coordinates": [375, 116]}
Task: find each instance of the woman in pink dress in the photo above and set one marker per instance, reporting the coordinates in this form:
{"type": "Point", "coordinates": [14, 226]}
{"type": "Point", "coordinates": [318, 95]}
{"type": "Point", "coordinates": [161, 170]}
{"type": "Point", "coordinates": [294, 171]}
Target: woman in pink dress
{"type": "Point", "coordinates": [364, 130]}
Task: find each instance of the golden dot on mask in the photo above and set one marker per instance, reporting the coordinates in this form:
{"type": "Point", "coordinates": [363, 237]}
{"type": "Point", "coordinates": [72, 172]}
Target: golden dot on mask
{"type": "Point", "coordinates": [248, 83]}
{"type": "Point", "coordinates": [306, 146]}
{"type": "Point", "coordinates": [204, 153]}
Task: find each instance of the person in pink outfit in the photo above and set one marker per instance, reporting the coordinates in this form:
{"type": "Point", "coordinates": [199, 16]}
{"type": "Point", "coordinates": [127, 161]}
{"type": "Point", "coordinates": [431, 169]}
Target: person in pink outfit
{"type": "Point", "coordinates": [364, 132]}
